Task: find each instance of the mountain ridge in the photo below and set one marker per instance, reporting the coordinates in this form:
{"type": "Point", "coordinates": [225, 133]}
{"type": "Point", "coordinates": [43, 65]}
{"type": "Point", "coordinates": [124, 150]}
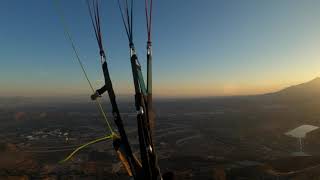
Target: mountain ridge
{"type": "Point", "coordinates": [306, 90]}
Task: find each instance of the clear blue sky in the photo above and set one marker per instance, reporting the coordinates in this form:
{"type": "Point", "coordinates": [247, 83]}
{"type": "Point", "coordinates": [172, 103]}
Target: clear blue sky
{"type": "Point", "coordinates": [201, 48]}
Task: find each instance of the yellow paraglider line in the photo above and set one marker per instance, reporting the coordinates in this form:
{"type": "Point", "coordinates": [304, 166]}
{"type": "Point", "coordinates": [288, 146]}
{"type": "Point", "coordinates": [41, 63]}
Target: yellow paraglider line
{"type": "Point", "coordinates": [85, 145]}
{"type": "Point", "coordinates": [66, 30]}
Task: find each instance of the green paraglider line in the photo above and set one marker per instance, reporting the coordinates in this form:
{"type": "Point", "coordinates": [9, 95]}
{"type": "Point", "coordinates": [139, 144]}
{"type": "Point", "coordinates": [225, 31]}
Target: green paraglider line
{"type": "Point", "coordinates": [85, 145]}
{"type": "Point", "coordinates": [66, 30]}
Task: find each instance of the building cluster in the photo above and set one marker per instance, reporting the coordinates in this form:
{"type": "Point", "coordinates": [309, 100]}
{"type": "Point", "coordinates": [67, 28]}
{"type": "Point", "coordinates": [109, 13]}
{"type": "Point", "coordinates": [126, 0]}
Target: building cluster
{"type": "Point", "coordinates": [46, 133]}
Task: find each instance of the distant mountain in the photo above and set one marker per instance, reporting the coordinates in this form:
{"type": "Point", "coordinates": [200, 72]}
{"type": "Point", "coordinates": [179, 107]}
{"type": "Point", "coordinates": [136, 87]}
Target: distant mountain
{"type": "Point", "coordinates": [308, 91]}
{"type": "Point", "coordinates": [311, 88]}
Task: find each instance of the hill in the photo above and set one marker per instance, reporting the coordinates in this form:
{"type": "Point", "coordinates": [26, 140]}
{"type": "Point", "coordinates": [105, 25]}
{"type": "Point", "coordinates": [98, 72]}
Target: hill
{"type": "Point", "coordinates": [308, 91]}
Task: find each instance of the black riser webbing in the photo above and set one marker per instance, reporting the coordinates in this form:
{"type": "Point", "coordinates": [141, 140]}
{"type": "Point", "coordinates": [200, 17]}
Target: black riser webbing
{"type": "Point", "coordinates": [142, 97]}
{"type": "Point", "coordinates": [95, 19]}
{"type": "Point", "coordinates": [148, 157]}
{"type": "Point", "coordinates": [140, 119]}
{"type": "Point", "coordinates": [150, 112]}
{"type": "Point", "coordinates": [118, 121]}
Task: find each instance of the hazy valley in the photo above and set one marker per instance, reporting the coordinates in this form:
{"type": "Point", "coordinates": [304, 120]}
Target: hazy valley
{"type": "Point", "coordinates": [200, 138]}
